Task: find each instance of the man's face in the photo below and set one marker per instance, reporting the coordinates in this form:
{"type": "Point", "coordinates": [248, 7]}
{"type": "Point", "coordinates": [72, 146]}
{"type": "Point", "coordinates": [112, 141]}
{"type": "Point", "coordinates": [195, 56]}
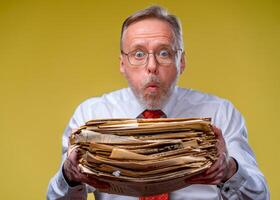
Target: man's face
{"type": "Point", "coordinates": [152, 82]}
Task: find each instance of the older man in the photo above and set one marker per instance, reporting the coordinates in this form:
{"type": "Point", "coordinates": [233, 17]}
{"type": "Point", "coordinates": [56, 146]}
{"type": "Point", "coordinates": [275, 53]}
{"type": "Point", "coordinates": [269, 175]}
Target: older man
{"type": "Point", "coordinates": [152, 59]}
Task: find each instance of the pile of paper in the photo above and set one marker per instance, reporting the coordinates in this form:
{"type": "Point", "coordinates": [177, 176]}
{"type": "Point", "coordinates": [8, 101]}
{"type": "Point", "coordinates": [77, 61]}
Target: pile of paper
{"type": "Point", "coordinates": [140, 156]}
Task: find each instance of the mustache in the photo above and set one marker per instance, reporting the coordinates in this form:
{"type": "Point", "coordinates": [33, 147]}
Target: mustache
{"type": "Point", "coordinates": [151, 79]}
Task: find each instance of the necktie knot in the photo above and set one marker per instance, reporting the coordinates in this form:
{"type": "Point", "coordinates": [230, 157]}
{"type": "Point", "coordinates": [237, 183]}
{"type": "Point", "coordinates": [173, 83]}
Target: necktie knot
{"type": "Point", "coordinates": [153, 114]}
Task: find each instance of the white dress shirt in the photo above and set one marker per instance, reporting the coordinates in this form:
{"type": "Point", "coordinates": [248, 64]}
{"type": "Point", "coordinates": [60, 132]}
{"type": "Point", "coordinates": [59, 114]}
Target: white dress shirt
{"type": "Point", "coordinates": [247, 183]}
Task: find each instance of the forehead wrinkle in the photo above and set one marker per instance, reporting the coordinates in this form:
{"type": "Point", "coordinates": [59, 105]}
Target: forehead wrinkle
{"type": "Point", "coordinates": [151, 33]}
{"type": "Point", "coordinates": [144, 33]}
{"type": "Point", "coordinates": [152, 36]}
{"type": "Point", "coordinates": [148, 40]}
{"type": "Point", "coordinates": [147, 45]}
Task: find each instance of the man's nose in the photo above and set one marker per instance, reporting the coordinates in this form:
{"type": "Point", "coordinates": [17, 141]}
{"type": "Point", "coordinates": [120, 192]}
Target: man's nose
{"type": "Point", "coordinates": [152, 64]}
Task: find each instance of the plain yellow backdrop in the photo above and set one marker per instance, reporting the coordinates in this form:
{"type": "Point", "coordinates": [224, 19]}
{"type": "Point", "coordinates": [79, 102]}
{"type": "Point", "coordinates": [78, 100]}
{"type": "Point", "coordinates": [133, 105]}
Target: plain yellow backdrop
{"type": "Point", "coordinates": [55, 54]}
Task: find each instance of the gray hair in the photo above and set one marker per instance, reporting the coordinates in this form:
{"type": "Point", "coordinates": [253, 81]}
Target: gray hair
{"type": "Point", "coordinates": [158, 13]}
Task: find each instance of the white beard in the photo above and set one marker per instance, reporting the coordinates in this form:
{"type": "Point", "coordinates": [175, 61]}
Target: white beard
{"type": "Point", "coordinates": [153, 100]}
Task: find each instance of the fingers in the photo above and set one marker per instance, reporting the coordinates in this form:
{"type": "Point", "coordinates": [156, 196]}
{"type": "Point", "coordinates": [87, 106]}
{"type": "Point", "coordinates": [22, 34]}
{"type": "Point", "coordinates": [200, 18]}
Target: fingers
{"type": "Point", "coordinates": [208, 177]}
{"type": "Point", "coordinates": [218, 164]}
{"type": "Point", "coordinates": [73, 157]}
{"type": "Point", "coordinates": [216, 173]}
{"type": "Point", "coordinates": [217, 131]}
{"type": "Point", "coordinates": [219, 135]}
{"type": "Point", "coordinates": [74, 173]}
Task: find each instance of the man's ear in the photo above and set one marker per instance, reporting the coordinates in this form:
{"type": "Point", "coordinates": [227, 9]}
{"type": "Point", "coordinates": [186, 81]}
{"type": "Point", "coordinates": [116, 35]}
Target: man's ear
{"type": "Point", "coordinates": [121, 64]}
{"type": "Point", "coordinates": [182, 62]}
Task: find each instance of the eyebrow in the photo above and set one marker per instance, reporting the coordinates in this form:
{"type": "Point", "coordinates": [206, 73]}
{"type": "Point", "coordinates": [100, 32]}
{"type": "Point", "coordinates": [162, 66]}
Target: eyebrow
{"type": "Point", "coordinates": [139, 46]}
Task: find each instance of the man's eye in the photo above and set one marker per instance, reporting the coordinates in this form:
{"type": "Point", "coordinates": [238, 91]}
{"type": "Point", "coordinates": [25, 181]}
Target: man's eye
{"type": "Point", "coordinates": [164, 53]}
{"type": "Point", "coordinates": [139, 54]}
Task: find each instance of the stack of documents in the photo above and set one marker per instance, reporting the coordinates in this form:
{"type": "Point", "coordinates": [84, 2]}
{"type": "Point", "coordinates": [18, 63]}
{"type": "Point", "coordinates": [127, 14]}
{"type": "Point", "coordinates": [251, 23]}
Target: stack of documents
{"type": "Point", "coordinates": [145, 156]}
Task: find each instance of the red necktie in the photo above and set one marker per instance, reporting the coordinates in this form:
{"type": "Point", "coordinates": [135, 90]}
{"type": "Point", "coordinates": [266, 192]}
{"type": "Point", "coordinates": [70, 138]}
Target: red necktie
{"type": "Point", "coordinates": [154, 114]}
{"type": "Point", "coordinates": [163, 196]}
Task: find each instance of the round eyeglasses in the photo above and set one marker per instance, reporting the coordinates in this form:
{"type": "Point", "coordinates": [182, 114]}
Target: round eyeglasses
{"type": "Point", "coordinates": [140, 57]}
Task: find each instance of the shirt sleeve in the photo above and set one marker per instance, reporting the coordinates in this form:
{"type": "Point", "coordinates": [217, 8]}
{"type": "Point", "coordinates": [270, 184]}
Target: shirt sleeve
{"type": "Point", "coordinates": [248, 182]}
{"type": "Point", "coordinates": [58, 187]}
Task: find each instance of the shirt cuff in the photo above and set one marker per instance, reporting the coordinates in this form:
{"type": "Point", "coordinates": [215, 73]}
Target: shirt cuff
{"type": "Point", "coordinates": [76, 191]}
{"type": "Point", "coordinates": [231, 187]}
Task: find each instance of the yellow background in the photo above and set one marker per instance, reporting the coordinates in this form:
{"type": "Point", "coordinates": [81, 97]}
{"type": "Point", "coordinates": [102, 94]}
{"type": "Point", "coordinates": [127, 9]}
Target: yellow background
{"type": "Point", "coordinates": [55, 54]}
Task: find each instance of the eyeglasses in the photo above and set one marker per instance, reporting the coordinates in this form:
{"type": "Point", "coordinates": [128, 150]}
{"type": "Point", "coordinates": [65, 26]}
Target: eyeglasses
{"type": "Point", "coordinates": [140, 57]}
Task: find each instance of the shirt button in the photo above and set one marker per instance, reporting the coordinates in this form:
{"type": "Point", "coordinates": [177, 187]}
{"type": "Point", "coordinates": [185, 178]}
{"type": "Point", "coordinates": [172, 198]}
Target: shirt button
{"type": "Point", "coordinates": [226, 189]}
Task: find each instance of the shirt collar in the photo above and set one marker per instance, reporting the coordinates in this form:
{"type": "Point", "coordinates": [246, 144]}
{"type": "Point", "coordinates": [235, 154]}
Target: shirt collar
{"type": "Point", "coordinates": [171, 102]}
{"type": "Point", "coordinates": [137, 108]}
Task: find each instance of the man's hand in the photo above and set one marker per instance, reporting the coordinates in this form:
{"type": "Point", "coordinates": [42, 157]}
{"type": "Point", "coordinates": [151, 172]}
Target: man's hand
{"type": "Point", "coordinates": [74, 176]}
{"type": "Point", "coordinates": [223, 168]}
